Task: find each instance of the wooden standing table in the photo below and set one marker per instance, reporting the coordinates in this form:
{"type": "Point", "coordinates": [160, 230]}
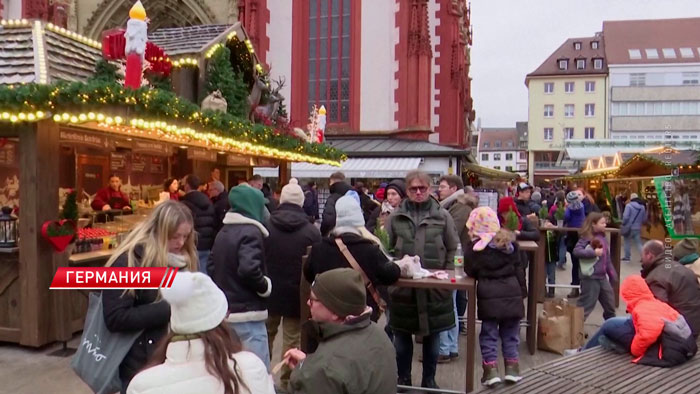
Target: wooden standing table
{"type": "Point", "coordinates": [469, 285]}
{"type": "Point", "coordinates": [535, 271]}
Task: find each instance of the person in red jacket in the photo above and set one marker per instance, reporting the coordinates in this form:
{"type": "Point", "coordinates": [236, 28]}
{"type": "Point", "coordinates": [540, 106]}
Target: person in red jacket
{"type": "Point", "coordinates": [655, 333]}
{"type": "Point", "coordinates": [111, 197]}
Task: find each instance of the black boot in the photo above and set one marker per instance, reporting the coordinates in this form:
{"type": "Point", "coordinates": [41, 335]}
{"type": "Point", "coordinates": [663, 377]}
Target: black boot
{"type": "Point", "coordinates": [550, 292]}
{"type": "Point", "coordinates": [405, 381]}
{"type": "Point", "coordinates": [575, 293]}
{"type": "Point", "coordinates": [429, 384]}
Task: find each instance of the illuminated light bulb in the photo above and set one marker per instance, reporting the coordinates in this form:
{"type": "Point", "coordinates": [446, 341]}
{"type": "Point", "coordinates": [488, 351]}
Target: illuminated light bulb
{"type": "Point", "coordinates": [31, 117]}
{"type": "Point", "coordinates": [40, 114]}
{"type": "Point", "coordinates": [13, 118]}
{"type": "Point", "coordinates": [100, 117]}
{"type": "Point", "coordinates": [109, 120]}
{"type": "Point", "coordinates": [82, 117]}
{"type": "Point", "coordinates": [74, 119]}
{"type": "Point", "coordinates": [23, 116]}
{"type": "Point", "coordinates": [118, 119]}
{"type": "Point", "coordinates": [91, 115]}
{"type": "Point", "coordinates": [57, 118]}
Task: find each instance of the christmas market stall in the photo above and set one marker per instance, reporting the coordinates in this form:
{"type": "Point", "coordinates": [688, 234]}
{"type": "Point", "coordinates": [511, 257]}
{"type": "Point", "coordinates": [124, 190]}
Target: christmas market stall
{"type": "Point", "coordinates": [643, 173]}
{"type": "Point", "coordinates": [68, 122]}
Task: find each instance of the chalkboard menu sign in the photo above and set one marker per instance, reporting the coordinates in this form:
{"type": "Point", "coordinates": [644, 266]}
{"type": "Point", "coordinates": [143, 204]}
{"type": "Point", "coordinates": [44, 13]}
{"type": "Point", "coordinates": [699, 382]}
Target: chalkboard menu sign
{"type": "Point", "coordinates": [157, 166]}
{"type": "Point", "coordinates": [138, 163]}
{"type": "Point", "coordinates": [118, 161]}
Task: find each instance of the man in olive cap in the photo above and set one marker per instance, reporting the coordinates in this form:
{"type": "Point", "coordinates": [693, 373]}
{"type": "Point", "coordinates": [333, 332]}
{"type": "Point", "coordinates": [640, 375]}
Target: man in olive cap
{"type": "Point", "coordinates": [349, 342]}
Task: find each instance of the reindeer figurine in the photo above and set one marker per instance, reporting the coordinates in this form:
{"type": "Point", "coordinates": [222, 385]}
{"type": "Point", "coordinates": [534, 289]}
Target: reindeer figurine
{"type": "Point", "coordinates": [269, 109]}
{"type": "Point", "coordinates": [259, 87]}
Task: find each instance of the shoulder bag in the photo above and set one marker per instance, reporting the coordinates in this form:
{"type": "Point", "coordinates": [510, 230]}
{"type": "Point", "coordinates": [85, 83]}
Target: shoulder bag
{"type": "Point", "coordinates": [353, 263]}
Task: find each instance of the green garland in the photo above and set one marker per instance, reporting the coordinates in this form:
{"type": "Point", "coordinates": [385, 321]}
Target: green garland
{"type": "Point", "coordinates": [154, 104]}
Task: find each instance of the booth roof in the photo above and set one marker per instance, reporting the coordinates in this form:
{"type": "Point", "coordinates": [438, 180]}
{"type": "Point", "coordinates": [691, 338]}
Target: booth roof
{"type": "Point", "coordinates": [656, 164]}
{"type": "Point", "coordinates": [36, 52]}
{"type": "Point", "coordinates": [392, 147]}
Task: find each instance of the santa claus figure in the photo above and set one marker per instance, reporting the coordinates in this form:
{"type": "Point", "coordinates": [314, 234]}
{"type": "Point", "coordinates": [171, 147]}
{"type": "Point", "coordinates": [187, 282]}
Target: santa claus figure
{"type": "Point", "coordinates": [321, 124]}
{"type": "Point", "coordinates": [136, 38]}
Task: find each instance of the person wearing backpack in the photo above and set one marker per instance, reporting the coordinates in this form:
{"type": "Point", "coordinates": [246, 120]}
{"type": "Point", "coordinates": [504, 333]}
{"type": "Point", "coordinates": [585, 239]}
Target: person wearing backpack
{"type": "Point", "coordinates": [634, 216]}
{"type": "Point", "coordinates": [598, 272]}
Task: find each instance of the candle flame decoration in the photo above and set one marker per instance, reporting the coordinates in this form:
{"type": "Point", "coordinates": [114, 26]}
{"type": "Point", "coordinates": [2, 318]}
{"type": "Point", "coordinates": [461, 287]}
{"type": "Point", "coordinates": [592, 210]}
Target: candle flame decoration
{"type": "Point", "coordinates": [135, 49]}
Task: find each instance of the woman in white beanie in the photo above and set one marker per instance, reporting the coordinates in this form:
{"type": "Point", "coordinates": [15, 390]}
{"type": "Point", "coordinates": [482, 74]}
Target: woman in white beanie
{"type": "Point", "coordinates": [364, 247]}
{"type": "Point", "coordinates": [201, 354]}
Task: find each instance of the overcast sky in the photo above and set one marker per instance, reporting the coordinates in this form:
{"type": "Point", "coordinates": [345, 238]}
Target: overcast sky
{"type": "Point", "coordinates": [513, 37]}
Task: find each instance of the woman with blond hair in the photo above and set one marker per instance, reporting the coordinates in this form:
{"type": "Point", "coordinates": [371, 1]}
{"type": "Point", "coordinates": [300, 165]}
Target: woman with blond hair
{"type": "Point", "coordinates": [164, 239]}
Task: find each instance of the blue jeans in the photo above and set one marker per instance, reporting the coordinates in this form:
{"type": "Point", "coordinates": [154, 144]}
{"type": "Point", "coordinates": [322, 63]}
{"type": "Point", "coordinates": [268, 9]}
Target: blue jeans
{"type": "Point", "coordinates": [617, 329]}
{"type": "Point", "coordinates": [636, 237]}
{"type": "Point", "coordinates": [449, 339]}
{"type": "Point", "coordinates": [551, 272]}
{"type": "Point", "coordinates": [508, 331]}
{"type": "Point", "coordinates": [403, 342]}
{"type": "Point", "coordinates": [253, 336]}
{"type": "Point", "coordinates": [562, 251]}
{"type": "Point", "coordinates": [203, 256]}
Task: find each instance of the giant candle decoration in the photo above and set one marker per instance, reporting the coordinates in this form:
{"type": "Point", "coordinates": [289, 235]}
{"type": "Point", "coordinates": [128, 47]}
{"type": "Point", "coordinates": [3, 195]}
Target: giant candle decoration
{"type": "Point", "coordinates": [136, 37]}
{"type": "Point", "coordinates": [320, 133]}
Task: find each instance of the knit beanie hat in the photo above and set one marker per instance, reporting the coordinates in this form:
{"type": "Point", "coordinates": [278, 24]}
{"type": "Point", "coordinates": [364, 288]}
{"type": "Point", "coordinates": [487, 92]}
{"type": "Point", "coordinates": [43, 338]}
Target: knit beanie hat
{"type": "Point", "coordinates": [342, 291]}
{"type": "Point", "coordinates": [574, 200]}
{"type": "Point", "coordinates": [380, 194]}
{"type": "Point", "coordinates": [686, 247]}
{"type": "Point", "coordinates": [196, 303]}
{"type": "Point", "coordinates": [483, 224]}
{"type": "Point", "coordinates": [348, 212]}
{"type": "Point", "coordinates": [505, 205]}
{"type": "Point", "coordinates": [399, 186]}
{"type": "Point", "coordinates": [247, 201]}
{"type": "Point", "coordinates": [292, 193]}
{"type": "Point", "coordinates": [536, 197]}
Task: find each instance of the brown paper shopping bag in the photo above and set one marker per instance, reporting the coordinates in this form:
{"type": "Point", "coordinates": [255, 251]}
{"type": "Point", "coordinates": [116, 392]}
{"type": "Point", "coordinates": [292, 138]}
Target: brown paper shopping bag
{"type": "Point", "coordinates": [554, 331]}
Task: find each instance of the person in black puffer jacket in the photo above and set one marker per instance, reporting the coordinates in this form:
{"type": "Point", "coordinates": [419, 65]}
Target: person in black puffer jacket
{"type": "Point", "coordinates": [493, 260]}
{"type": "Point", "coordinates": [363, 246]}
{"type": "Point", "coordinates": [136, 310]}
{"type": "Point", "coordinates": [290, 235]}
{"type": "Point", "coordinates": [237, 266]}
{"type": "Point", "coordinates": [219, 198]}
{"type": "Point", "coordinates": [338, 189]}
{"type": "Point", "coordinates": [204, 218]}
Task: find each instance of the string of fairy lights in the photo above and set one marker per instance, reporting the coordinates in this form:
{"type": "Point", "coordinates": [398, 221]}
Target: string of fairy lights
{"type": "Point", "coordinates": [187, 125]}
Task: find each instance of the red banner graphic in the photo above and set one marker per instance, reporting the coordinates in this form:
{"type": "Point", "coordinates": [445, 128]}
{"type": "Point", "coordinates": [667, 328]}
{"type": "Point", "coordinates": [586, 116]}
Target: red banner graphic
{"type": "Point", "coordinates": [99, 278]}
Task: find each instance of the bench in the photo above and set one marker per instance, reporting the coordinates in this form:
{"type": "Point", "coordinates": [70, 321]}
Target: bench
{"type": "Point", "coordinates": [601, 371]}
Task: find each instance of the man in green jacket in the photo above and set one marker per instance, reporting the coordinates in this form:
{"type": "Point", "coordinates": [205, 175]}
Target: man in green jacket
{"type": "Point", "coordinates": [354, 355]}
{"type": "Point", "coordinates": [420, 227]}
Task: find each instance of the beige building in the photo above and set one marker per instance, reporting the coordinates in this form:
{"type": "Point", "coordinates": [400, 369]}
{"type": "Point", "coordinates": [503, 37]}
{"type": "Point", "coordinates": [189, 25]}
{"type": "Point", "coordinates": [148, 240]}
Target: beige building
{"type": "Point", "coordinates": [567, 100]}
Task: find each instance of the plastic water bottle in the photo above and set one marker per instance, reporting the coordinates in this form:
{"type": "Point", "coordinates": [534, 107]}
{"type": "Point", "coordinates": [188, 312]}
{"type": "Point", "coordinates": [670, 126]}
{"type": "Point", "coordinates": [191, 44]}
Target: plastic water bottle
{"type": "Point", "coordinates": [459, 263]}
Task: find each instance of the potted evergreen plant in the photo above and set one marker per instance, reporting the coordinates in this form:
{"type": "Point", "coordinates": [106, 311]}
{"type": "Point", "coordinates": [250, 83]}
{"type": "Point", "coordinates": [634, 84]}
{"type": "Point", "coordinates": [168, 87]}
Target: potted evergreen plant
{"type": "Point", "coordinates": [544, 213]}
{"type": "Point", "coordinates": [559, 215]}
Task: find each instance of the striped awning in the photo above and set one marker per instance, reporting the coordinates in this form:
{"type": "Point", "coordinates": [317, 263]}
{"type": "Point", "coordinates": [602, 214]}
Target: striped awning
{"type": "Point", "coordinates": [391, 167]}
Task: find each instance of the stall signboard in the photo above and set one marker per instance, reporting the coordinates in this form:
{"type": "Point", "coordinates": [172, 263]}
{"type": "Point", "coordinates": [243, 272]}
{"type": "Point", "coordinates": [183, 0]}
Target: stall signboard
{"type": "Point", "coordinates": [262, 162]}
{"type": "Point", "coordinates": [118, 161]}
{"type": "Point", "coordinates": [677, 195]}
{"type": "Point", "coordinates": [87, 139]}
{"type": "Point", "coordinates": [152, 147]}
{"type": "Point", "coordinates": [8, 154]}
{"type": "Point", "coordinates": [201, 154]}
{"type": "Point", "coordinates": [238, 161]}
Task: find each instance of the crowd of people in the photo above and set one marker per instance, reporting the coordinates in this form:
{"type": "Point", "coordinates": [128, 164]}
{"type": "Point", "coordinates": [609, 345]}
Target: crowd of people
{"type": "Point", "coordinates": [247, 254]}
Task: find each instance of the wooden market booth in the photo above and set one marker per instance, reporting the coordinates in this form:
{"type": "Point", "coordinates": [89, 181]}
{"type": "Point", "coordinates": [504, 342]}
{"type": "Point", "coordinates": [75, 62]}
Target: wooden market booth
{"type": "Point", "coordinates": [636, 175]}
{"type": "Point", "coordinates": [60, 130]}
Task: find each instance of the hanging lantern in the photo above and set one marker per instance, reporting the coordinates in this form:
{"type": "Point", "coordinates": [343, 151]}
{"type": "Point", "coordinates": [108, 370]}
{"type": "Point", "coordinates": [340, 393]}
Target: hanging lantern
{"type": "Point", "coordinates": [8, 228]}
